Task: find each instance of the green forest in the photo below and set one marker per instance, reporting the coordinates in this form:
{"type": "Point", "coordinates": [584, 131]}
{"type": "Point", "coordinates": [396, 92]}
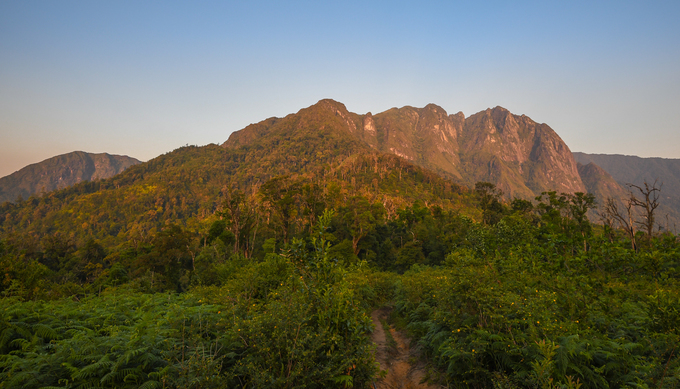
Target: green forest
{"type": "Point", "coordinates": [221, 268]}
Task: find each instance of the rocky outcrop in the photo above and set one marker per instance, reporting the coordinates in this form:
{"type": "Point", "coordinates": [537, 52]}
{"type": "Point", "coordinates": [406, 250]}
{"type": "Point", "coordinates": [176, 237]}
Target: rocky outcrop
{"type": "Point", "coordinates": [520, 156]}
{"type": "Point", "coordinates": [427, 136]}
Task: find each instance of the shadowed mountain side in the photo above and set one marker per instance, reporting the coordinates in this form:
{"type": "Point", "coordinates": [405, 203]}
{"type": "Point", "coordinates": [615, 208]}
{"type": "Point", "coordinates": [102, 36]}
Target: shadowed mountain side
{"type": "Point", "coordinates": [62, 171]}
{"type": "Point", "coordinates": [626, 169]}
{"type": "Point", "coordinates": [630, 169]}
{"type": "Point", "coordinates": [600, 183]}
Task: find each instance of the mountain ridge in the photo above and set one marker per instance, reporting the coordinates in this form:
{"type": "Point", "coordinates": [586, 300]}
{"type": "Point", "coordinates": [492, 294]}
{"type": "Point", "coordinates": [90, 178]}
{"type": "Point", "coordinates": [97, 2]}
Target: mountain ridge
{"type": "Point", "coordinates": [521, 157]}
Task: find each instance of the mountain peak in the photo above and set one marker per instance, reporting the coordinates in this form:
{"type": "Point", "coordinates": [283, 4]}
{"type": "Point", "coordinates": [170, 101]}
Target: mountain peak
{"type": "Point", "coordinates": [435, 109]}
{"type": "Point", "coordinates": [330, 104]}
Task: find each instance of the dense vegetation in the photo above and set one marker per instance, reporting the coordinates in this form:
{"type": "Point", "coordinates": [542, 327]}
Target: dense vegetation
{"type": "Point", "coordinates": [193, 271]}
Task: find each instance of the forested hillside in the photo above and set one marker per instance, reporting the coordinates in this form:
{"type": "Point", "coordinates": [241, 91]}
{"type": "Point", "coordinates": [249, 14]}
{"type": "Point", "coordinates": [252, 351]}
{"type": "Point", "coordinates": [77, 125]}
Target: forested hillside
{"type": "Point", "coordinates": [258, 263]}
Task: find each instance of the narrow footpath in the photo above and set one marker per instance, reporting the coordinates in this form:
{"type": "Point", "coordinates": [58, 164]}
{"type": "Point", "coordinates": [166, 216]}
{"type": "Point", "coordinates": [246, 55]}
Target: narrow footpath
{"type": "Point", "coordinates": [403, 366]}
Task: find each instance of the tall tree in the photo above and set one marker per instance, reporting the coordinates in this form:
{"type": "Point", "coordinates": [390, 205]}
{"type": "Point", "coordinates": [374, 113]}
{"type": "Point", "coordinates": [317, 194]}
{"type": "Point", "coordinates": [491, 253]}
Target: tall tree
{"type": "Point", "coordinates": [280, 196]}
{"type": "Point", "coordinates": [360, 217]}
{"type": "Point", "coordinates": [579, 205]}
{"type": "Point", "coordinates": [489, 200]}
{"type": "Point", "coordinates": [240, 214]}
{"type": "Point", "coordinates": [169, 256]}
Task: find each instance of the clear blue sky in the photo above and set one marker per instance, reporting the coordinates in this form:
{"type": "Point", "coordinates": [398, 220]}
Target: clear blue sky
{"type": "Point", "coordinates": [142, 78]}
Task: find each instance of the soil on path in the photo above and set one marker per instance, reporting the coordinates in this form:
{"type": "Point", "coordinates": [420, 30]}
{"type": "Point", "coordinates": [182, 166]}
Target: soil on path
{"type": "Point", "coordinates": [404, 368]}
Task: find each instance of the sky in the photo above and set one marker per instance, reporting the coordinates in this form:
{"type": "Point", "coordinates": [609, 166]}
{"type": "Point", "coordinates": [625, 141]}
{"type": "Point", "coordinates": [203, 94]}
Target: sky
{"type": "Point", "coordinates": [142, 78]}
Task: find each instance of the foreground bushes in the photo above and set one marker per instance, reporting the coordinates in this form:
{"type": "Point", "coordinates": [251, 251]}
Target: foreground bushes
{"type": "Point", "coordinates": [510, 320]}
{"type": "Point", "coordinates": [292, 321]}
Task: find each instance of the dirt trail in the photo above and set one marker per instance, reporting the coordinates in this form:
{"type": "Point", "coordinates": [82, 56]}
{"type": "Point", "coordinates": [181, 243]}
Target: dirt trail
{"type": "Point", "coordinates": [404, 370]}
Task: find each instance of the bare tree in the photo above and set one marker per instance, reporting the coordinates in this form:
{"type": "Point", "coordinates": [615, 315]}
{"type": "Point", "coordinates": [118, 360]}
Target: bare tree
{"type": "Point", "coordinates": [647, 204]}
{"type": "Point", "coordinates": [612, 211]}
{"type": "Point", "coordinates": [608, 221]}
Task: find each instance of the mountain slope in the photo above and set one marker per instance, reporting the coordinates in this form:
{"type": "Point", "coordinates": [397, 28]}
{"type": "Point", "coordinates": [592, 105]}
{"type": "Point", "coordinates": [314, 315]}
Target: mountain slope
{"type": "Point", "coordinates": [631, 169]}
{"type": "Point", "coordinates": [62, 171]}
{"type": "Point", "coordinates": [600, 183]}
{"type": "Point", "coordinates": [635, 170]}
{"type": "Point", "coordinates": [522, 157]}
{"type": "Point", "coordinates": [305, 141]}
{"type": "Point", "coordinates": [315, 150]}
{"type": "Point", "coordinates": [426, 136]}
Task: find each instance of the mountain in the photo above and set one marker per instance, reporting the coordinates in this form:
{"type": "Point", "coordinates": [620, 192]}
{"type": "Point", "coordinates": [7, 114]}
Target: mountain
{"type": "Point", "coordinates": [60, 172]}
{"type": "Point", "coordinates": [328, 156]}
{"type": "Point", "coordinates": [521, 157]}
{"type": "Point", "coordinates": [600, 183]}
{"type": "Point", "coordinates": [426, 136]}
{"type": "Point", "coordinates": [518, 155]}
{"type": "Point", "coordinates": [309, 161]}
{"type": "Point", "coordinates": [625, 169]}
{"type": "Point", "coordinates": [635, 170]}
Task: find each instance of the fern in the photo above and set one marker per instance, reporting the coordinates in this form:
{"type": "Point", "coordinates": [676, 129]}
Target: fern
{"type": "Point", "coordinates": [151, 384]}
{"type": "Point", "coordinates": [45, 332]}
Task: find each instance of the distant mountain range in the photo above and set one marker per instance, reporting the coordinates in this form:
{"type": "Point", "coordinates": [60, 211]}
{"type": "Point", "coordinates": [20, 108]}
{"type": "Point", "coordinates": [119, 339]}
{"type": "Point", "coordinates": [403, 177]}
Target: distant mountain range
{"type": "Point", "coordinates": [521, 157]}
{"type": "Point", "coordinates": [626, 169]}
{"type": "Point", "coordinates": [60, 172]}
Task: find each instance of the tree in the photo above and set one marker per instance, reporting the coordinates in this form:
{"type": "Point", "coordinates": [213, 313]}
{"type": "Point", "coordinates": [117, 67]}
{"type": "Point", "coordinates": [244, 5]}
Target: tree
{"type": "Point", "coordinates": [57, 250]}
{"type": "Point", "coordinates": [647, 204]}
{"type": "Point", "coordinates": [280, 196]}
{"type": "Point", "coordinates": [361, 217]}
{"type": "Point", "coordinates": [91, 261]}
{"type": "Point", "coordinates": [552, 208]}
{"type": "Point", "coordinates": [522, 206]}
{"type": "Point", "coordinates": [169, 256]}
{"type": "Point", "coordinates": [579, 204]}
{"type": "Point", "coordinates": [239, 213]}
{"type": "Point", "coordinates": [612, 211]}
{"type": "Point", "coordinates": [489, 200]}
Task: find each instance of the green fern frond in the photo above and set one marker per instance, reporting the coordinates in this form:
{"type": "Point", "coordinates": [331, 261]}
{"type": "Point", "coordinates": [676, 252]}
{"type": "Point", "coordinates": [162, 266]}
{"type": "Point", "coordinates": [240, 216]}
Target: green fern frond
{"type": "Point", "coordinates": [45, 332]}
{"type": "Point", "coordinates": [151, 384]}
{"type": "Point", "coordinates": [94, 369]}
{"type": "Point", "coordinates": [134, 353]}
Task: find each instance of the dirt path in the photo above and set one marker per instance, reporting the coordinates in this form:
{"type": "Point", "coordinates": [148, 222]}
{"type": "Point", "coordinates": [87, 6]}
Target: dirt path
{"type": "Point", "coordinates": [404, 371]}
